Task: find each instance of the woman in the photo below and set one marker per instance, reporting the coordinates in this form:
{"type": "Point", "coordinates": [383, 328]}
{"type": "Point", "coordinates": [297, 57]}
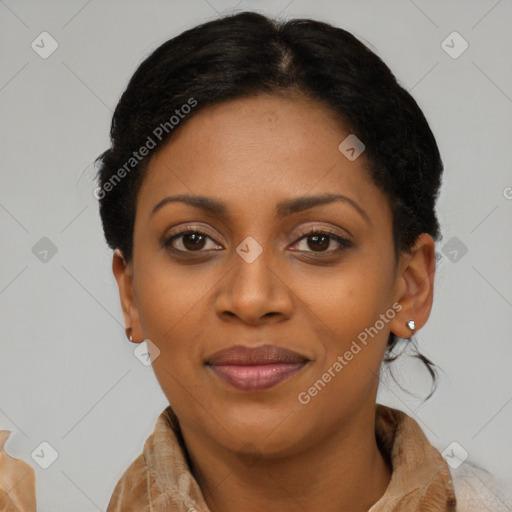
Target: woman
{"type": "Point", "coordinates": [270, 198]}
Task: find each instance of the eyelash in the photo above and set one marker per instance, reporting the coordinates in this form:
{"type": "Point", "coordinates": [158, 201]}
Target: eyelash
{"type": "Point", "coordinates": [345, 243]}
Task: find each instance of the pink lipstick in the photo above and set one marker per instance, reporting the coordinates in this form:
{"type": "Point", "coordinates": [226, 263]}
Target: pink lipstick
{"type": "Point", "coordinates": [255, 369]}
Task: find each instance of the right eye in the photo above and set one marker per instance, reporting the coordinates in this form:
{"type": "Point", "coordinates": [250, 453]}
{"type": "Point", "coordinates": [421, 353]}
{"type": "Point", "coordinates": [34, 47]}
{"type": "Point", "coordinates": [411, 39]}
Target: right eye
{"type": "Point", "coordinates": [191, 240]}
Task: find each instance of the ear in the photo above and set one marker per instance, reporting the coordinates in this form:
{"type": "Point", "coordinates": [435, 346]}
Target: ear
{"type": "Point", "coordinates": [414, 288]}
{"type": "Point", "coordinates": [123, 272]}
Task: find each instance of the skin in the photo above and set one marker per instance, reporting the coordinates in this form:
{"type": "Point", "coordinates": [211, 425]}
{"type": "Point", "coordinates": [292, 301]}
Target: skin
{"type": "Point", "coordinates": [265, 450]}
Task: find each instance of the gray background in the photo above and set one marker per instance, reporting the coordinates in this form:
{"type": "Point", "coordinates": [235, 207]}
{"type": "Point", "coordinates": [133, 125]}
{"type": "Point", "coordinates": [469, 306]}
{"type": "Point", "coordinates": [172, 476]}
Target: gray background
{"type": "Point", "coordinates": [68, 375]}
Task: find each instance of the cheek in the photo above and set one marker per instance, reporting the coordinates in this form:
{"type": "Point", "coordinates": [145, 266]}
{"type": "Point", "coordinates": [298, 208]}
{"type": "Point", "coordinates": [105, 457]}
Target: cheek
{"type": "Point", "coordinates": [171, 313]}
{"type": "Point", "coordinates": [346, 302]}
{"type": "Point", "coordinates": [347, 371]}
{"type": "Point", "coordinates": [170, 319]}
{"type": "Point", "coordinates": [353, 312]}
{"type": "Point", "coordinates": [168, 296]}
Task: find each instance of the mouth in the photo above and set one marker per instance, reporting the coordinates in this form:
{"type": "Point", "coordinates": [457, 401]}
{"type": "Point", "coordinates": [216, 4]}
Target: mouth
{"type": "Point", "coordinates": [256, 369]}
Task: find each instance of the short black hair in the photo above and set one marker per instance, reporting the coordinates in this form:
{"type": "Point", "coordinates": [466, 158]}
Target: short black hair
{"type": "Point", "coordinates": [246, 54]}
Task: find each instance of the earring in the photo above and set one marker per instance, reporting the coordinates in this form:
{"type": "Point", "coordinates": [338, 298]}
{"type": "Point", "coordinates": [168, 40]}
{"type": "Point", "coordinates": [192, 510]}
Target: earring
{"type": "Point", "coordinates": [411, 325]}
{"type": "Point", "coordinates": [128, 332]}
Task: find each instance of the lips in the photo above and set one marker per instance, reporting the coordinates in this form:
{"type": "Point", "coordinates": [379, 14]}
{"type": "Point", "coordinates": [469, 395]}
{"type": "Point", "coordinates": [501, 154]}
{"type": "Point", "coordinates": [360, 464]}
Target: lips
{"type": "Point", "coordinates": [255, 368]}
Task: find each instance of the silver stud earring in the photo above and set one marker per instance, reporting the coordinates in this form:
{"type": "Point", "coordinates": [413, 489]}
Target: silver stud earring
{"type": "Point", "coordinates": [411, 325]}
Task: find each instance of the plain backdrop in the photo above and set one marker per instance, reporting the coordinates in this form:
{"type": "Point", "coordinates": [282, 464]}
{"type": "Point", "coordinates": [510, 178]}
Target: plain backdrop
{"type": "Point", "coordinates": [68, 376]}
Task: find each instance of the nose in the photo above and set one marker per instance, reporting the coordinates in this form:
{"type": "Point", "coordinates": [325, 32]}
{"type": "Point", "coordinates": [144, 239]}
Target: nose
{"type": "Point", "coordinates": [254, 292]}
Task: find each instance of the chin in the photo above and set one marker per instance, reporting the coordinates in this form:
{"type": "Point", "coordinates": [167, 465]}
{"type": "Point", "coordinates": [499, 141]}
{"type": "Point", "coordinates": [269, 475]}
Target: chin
{"type": "Point", "coordinates": [270, 429]}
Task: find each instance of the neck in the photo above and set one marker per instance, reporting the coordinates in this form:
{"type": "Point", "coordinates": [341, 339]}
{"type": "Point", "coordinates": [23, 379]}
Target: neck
{"type": "Point", "coordinates": [344, 472]}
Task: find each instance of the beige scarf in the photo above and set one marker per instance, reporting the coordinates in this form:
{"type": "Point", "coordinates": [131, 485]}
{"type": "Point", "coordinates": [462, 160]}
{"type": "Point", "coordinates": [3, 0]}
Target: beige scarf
{"type": "Point", "coordinates": [159, 479]}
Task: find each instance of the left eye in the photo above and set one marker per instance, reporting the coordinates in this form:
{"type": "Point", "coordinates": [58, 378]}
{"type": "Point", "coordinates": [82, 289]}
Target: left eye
{"type": "Point", "coordinates": [319, 241]}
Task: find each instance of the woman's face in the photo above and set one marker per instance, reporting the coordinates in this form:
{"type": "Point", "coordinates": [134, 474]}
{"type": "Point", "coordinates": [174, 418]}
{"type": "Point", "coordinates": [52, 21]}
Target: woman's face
{"type": "Point", "coordinates": [268, 169]}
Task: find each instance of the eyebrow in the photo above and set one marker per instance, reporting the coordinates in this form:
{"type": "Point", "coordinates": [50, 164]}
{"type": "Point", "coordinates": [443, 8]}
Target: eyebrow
{"type": "Point", "coordinates": [283, 208]}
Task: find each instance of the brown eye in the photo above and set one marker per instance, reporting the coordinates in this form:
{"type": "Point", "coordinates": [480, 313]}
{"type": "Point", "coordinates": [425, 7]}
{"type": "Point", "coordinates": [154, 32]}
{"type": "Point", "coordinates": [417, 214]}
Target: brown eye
{"type": "Point", "coordinates": [193, 241]}
{"type": "Point", "coordinates": [189, 241]}
{"type": "Point", "coordinates": [318, 241]}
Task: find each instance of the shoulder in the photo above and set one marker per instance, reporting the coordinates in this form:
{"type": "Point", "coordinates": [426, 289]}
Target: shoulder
{"type": "Point", "coordinates": [477, 490]}
{"type": "Point", "coordinates": [130, 493]}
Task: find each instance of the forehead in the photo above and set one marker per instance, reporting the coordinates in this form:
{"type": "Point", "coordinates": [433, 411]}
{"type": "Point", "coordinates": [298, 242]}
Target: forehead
{"type": "Point", "coordinates": [255, 152]}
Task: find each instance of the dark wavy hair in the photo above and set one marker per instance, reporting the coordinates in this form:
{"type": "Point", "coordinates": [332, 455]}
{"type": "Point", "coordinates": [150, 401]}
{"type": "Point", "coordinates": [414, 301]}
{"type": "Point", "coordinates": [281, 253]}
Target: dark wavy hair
{"type": "Point", "coordinates": [246, 54]}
